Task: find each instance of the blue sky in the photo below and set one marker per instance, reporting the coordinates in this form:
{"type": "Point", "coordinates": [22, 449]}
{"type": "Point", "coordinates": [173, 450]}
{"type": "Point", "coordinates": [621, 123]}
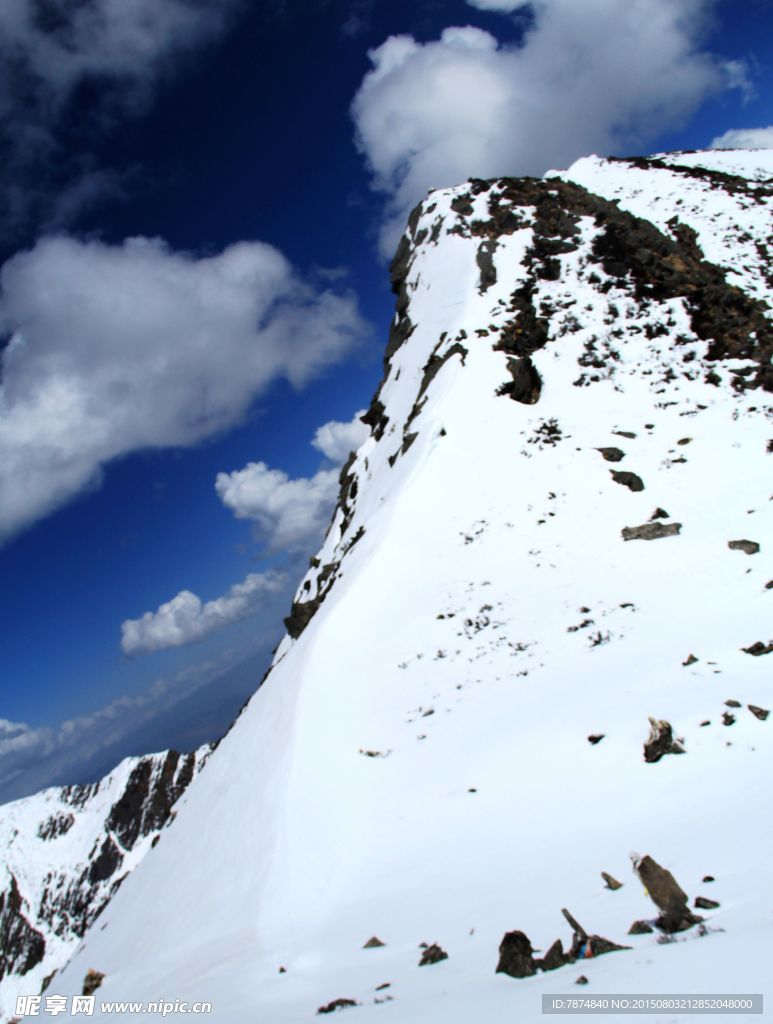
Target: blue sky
{"type": "Point", "coordinates": [159, 488]}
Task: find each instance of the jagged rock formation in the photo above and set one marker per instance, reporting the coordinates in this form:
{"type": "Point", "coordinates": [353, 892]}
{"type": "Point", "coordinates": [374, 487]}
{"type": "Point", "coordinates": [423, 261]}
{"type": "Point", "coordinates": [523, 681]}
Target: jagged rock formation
{"type": "Point", "coordinates": [417, 761]}
{"type": "Point", "coordinates": [66, 851]}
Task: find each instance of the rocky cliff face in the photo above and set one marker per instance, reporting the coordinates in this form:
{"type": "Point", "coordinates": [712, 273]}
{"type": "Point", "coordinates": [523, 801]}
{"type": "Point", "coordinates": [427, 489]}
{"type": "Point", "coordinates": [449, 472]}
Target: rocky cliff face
{"type": "Point", "coordinates": [66, 851]}
{"type": "Point", "coordinates": [535, 638]}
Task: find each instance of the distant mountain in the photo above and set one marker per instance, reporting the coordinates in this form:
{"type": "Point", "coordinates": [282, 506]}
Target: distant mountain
{"type": "Point", "coordinates": [537, 637]}
{"type": "Point", "coordinates": [64, 853]}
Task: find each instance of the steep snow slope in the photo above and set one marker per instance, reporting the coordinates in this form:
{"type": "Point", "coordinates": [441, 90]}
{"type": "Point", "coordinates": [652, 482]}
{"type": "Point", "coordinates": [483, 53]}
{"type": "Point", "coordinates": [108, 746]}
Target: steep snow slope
{"type": "Point", "coordinates": [417, 764]}
{"type": "Point", "coordinates": [64, 853]}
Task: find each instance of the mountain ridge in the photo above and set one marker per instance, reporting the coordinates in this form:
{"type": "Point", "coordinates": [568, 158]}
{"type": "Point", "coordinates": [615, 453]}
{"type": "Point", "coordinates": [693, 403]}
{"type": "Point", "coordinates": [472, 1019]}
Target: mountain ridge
{"type": "Point", "coordinates": [449, 745]}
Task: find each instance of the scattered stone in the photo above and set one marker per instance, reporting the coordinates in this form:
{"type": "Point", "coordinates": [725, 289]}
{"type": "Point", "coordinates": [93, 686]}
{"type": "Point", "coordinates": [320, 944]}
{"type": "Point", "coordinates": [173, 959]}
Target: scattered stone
{"type": "Point", "coordinates": [651, 531]}
{"type": "Point", "coordinates": [689, 660]}
{"type": "Point", "coordinates": [611, 454]}
{"type": "Point", "coordinates": [624, 433]}
{"type": "Point", "coordinates": [667, 895]}
{"type": "Point", "coordinates": [705, 721]}
{"type": "Point", "coordinates": [751, 547]}
{"type": "Point", "coordinates": [704, 903]}
{"type": "Point", "coordinates": [380, 988]}
{"type": "Point", "coordinates": [727, 718]}
{"type": "Point", "coordinates": [585, 946]}
{"type": "Point", "coordinates": [612, 882]}
{"type": "Point", "coordinates": [659, 513]}
{"type": "Point", "coordinates": [283, 970]}
{"type": "Point", "coordinates": [660, 741]}
{"type": "Point", "coordinates": [640, 928]}
{"type": "Point", "coordinates": [554, 958]}
{"type": "Point", "coordinates": [708, 878]}
{"type": "Point", "coordinates": [526, 383]}
{"type": "Point", "coordinates": [92, 982]}
{"type": "Point", "coordinates": [684, 440]}
{"type": "Point", "coordinates": [516, 956]}
{"type": "Point", "coordinates": [595, 738]}
{"type": "Point", "coordinates": [337, 1004]}
{"type": "Point", "coordinates": [629, 480]}
{"type": "Point", "coordinates": [373, 943]}
{"type": "Point", "coordinates": [761, 713]}
{"type": "Point", "coordinates": [432, 955]}
{"type": "Point", "coordinates": [582, 980]}
{"type": "Point", "coordinates": [733, 703]}
{"type": "Point", "coordinates": [758, 649]}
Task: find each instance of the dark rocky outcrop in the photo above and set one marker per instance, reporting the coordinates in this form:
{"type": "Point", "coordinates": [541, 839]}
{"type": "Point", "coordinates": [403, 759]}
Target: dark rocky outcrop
{"type": "Point", "coordinates": [759, 648]}
{"type": "Point", "coordinates": [373, 943]}
{"type": "Point", "coordinates": [337, 1004]}
{"type": "Point", "coordinates": [704, 903]}
{"type": "Point", "coordinates": [667, 895]}
{"type": "Point", "coordinates": [21, 946]}
{"type": "Point", "coordinates": [651, 531]}
{"type": "Point", "coordinates": [611, 882]}
{"type": "Point", "coordinates": [92, 982]}
{"type": "Point", "coordinates": [761, 713]}
{"type": "Point", "coordinates": [611, 454]}
{"type": "Point", "coordinates": [526, 383]}
{"type": "Point", "coordinates": [432, 954]}
{"type": "Point", "coordinates": [640, 928]}
{"type": "Point", "coordinates": [516, 956]}
{"type": "Point", "coordinates": [660, 741]}
{"type": "Point", "coordinates": [749, 547]}
{"type": "Point", "coordinates": [629, 480]}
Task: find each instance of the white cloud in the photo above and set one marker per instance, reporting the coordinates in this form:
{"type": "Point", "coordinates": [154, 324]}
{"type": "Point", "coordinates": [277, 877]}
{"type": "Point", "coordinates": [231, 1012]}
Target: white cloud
{"type": "Point", "coordinates": [186, 619]}
{"type": "Point", "coordinates": [745, 138]}
{"type": "Point", "coordinates": [590, 76]}
{"type": "Point", "coordinates": [336, 440]}
{"type": "Point", "coordinates": [498, 5]}
{"type": "Point", "coordinates": [289, 514]}
{"type": "Point", "coordinates": [119, 348]}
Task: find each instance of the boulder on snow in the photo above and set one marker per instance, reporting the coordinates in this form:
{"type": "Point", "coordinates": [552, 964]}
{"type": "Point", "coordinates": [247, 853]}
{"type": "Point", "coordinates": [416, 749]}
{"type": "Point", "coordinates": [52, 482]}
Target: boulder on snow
{"type": "Point", "coordinates": [526, 383]}
{"type": "Point", "coordinates": [585, 946]}
{"type": "Point", "coordinates": [337, 1004]}
{"type": "Point", "coordinates": [704, 903]}
{"type": "Point", "coordinates": [92, 982]}
{"type": "Point", "coordinates": [373, 943]}
{"type": "Point", "coordinates": [554, 958]}
{"type": "Point", "coordinates": [651, 531]}
{"type": "Point", "coordinates": [629, 480]}
{"type": "Point", "coordinates": [761, 713]}
{"type": "Point", "coordinates": [611, 454]}
{"type": "Point", "coordinates": [758, 649]}
{"type": "Point", "coordinates": [660, 741]}
{"type": "Point", "coordinates": [611, 881]}
{"type": "Point", "coordinates": [516, 956]}
{"type": "Point", "coordinates": [667, 895]}
{"type": "Point", "coordinates": [640, 928]}
{"type": "Point", "coordinates": [749, 547]}
{"type": "Point", "coordinates": [582, 980]}
{"type": "Point", "coordinates": [432, 955]}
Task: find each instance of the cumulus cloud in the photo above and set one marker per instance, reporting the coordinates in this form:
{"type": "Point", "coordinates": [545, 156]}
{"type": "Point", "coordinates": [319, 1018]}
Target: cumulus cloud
{"type": "Point", "coordinates": [744, 138]}
{"type": "Point", "coordinates": [119, 348]}
{"type": "Point", "coordinates": [591, 76]}
{"type": "Point", "coordinates": [336, 440]}
{"type": "Point", "coordinates": [288, 513]}
{"type": "Point", "coordinates": [121, 48]}
{"type": "Point", "coordinates": [186, 619]}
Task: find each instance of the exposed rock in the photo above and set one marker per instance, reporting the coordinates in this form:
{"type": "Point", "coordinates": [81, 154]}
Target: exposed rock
{"type": "Point", "coordinates": [582, 980]}
{"type": "Point", "coordinates": [727, 718]}
{"type": "Point", "coordinates": [526, 383]}
{"type": "Point", "coordinates": [689, 660]}
{"type": "Point", "coordinates": [554, 958]}
{"type": "Point", "coordinates": [516, 956]}
{"type": "Point", "coordinates": [585, 946]}
{"type": "Point", "coordinates": [21, 945]}
{"type": "Point", "coordinates": [432, 955]}
{"type": "Point", "coordinates": [660, 741]}
{"type": "Point", "coordinates": [629, 480]}
{"type": "Point", "coordinates": [750, 547]}
{"type": "Point", "coordinates": [640, 928]}
{"type": "Point", "coordinates": [611, 454]}
{"type": "Point", "coordinates": [761, 713]}
{"type": "Point", "coordinates": [708, 878]}
{"type": "Point", "coordinates": [92, 982]}
{"type": "Point", "coordinates": [595, 738]}
{"type": "Point", "coordinates": [659, 513]}
{"type": "Point", "coordinates": [373, 943]}
{"type": "Point", "coordinates": [758, 649]}
{"type": "Point", "coordinates": [733, 703]}
{"type": "Point", "coordinates": [611, 881]}
{"type": "Point", "coordinates": [337, 1004]}
{"type": "Point", "coordinates": [667, 895]}
{"type": "Point", "coordinates": [651, 531]}
{"type": "Point", "coordinates": [704, 903]}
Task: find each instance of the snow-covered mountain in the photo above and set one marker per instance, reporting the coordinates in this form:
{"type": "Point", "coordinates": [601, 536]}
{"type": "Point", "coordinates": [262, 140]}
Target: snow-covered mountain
{"type": "Point", "coordinates": [558, 531]}
{"type": "Point", "coordinates": [65, 852]}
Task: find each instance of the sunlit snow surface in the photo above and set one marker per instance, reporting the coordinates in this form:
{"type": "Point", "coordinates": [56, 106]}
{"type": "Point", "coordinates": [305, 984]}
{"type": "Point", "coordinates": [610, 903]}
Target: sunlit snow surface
{"type": "Point", "coordinates": [448, 648]}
